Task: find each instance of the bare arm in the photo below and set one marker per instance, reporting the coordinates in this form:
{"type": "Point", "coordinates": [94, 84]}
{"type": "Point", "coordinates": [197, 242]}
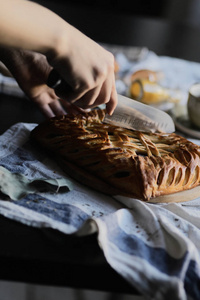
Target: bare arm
{"type": "Point", "coordinates": [83, 64]}
{"type": "Point", "coordinates": [27, 25]}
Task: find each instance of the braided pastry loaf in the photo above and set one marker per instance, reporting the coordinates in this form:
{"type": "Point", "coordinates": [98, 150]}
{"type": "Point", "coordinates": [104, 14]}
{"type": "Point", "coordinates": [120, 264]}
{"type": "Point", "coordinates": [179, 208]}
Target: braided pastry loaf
{"type": "Point", "coordinates": [120, 161]}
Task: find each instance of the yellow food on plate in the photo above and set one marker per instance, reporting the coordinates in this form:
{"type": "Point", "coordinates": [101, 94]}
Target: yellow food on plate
{"type": "Point", "coordinates": [148, 92]}
{"type": "Point", "coordinates": [153, 76]}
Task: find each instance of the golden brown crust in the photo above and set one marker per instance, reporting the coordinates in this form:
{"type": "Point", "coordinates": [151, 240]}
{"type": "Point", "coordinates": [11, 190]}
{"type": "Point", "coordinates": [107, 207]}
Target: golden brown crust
{"type": "Point", "coordinates": [119, 161]}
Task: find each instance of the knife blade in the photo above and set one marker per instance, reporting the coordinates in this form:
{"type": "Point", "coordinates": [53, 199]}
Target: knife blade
{"type": "Point", "coordinates": [135, 115]}
{"type": "Point", "coordinates": [129, 113]}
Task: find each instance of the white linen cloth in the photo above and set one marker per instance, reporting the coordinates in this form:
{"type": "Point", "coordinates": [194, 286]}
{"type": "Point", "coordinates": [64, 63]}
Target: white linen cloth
{"type": "Point", "coordinates": [155, 247]}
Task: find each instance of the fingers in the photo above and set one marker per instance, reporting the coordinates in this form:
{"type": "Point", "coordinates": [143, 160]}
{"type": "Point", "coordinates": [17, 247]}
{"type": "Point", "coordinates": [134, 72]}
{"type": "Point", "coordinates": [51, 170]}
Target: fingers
{"type": "Point", "coordinates": [47, 111]}
{"type": "Point", "coordinates": [89, 99]}
{"type": "Point", "coordinates": [85, 91]}
{"type": "Point", "coordinates": [103, 93]}
{"type": "Point", "coordinates": [112, 103]}
{"type": "Point", "coordinates": [71, 108]}
{"type": "Point", "coordinates": [106, 94]}
{"type": "Point", "coordinates": [53, 109]}
{"type": "Point", "coordinates": [49, 104]}
{"type": "Point", "coordinates": [89, 73]}
{"type": "Point", "coordinates": [57, 108]}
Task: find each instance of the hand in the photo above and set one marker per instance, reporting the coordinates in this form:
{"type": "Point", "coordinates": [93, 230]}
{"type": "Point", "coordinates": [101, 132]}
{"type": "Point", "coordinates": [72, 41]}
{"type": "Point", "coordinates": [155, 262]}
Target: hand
{"type": "Point", "coordinates": [31, 70]}
{"type": "Point", "coordinates": [88, 69]}
{"type": "Point", "coordinates": [82, 63]}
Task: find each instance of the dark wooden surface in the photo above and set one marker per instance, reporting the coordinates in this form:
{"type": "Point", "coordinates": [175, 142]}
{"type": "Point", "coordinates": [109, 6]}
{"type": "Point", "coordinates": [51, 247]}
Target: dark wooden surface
{"type": "Point", "coordinates": [119, 27]}
{"type": "Point", "coordinates": [45, 256]}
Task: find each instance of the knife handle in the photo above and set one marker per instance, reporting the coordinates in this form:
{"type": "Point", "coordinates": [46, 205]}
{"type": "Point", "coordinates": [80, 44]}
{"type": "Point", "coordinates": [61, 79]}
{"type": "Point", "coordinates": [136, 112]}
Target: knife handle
{"type": "Point", "coordinates": [55, 82]}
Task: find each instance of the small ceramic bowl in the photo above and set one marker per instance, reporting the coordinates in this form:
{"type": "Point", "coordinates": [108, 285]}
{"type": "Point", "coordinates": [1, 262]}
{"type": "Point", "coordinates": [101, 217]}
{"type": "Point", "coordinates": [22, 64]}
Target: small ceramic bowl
{"type": "Point", "coordinates": [193, 104]}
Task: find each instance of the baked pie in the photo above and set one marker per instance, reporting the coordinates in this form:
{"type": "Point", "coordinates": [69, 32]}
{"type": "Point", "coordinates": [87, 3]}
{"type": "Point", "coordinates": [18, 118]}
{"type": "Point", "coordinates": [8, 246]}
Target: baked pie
{"type": "Point", "coordinates": [119, 161]}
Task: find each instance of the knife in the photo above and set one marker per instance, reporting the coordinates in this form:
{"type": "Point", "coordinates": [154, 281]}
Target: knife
{"type": "Point", "coordinates": [129, 113]}
{"type": "Point", "coordinates": [135, 115]}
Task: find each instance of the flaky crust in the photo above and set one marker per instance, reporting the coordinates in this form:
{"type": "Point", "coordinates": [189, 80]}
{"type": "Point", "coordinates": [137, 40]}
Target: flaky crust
{"type": "Point", "coordinates": [120, 161]}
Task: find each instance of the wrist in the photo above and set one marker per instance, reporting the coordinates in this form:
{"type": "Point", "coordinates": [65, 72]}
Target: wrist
{"type": "Point", "coordinates": [57, 46]}
{"type": "Point", "coordinates": [61, 45]}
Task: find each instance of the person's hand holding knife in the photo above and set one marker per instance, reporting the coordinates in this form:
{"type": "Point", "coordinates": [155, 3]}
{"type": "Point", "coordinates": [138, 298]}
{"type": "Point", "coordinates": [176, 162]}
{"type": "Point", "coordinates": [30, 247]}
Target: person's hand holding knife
{"type": "Point", "coordinates": [85, 66]}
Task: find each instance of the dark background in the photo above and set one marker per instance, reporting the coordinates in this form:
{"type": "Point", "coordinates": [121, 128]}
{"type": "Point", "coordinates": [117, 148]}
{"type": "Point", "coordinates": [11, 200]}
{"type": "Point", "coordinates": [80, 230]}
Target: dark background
{"type": "Point", "coordinates": [176, 10]}
{"type": "Point", "coordinates": [167, 27]}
